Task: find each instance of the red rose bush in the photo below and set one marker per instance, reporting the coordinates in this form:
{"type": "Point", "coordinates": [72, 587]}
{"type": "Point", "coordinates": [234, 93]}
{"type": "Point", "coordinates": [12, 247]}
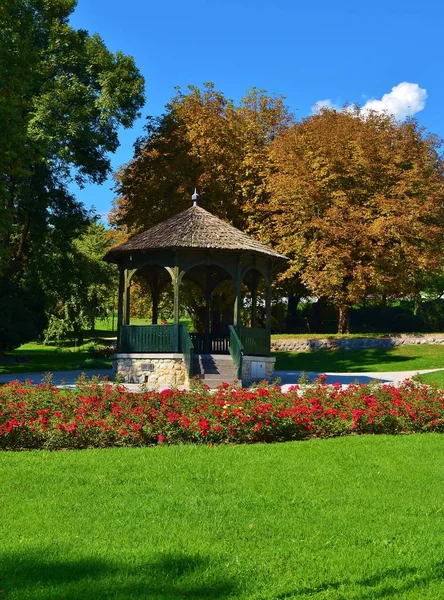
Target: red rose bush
{"type": "Point", "coordinates": [101, 414]}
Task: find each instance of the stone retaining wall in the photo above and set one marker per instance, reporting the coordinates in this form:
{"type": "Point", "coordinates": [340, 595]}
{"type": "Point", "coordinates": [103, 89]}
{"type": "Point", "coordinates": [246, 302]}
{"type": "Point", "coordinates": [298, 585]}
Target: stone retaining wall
{"type": "Point", "coordinates": [311, 345]}
{"type": "Point", "coordinates": [154, 370]}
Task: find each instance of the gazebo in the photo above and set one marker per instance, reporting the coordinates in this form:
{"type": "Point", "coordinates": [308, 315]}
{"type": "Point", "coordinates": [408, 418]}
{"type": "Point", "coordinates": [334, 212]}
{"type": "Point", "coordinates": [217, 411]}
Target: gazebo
{"type": "Point", "coordinates": [194, 245]}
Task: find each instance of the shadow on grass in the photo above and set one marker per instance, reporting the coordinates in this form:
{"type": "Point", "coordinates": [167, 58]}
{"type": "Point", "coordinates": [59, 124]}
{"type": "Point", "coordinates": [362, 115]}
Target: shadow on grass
{"type": "Point", "coordinates": [170, 577]}
{"type": "Point", "coordinates": [338, 360]}
{"type": "Point", "coordinates": [386, 584]}
{"type": "Point", "coordinates": [35, 360]}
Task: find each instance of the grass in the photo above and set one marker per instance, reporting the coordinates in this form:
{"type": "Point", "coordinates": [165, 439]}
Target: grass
{"type": "Point", "coordinates": [341, 519]}
{"type": "Point", "coordinates": [337, 336]}
{"type": "Point", "coordinates": [36, 356]}
{"type": "Point", "coordinates": [398, 358]}
{"type": "Point", "coordinates": [432, 379]}
{"type": "Point", "coordinates": [107, 324]}
{"type": "Point", "coordinates": [39, 357]}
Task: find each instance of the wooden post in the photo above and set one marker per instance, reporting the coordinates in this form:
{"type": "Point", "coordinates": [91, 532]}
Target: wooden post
{"type": "Point", "coordinates": [176, 296]}
{"type": "Point", "coordinates": [268, 308]}
{"type": "Point", "coordinates": [154, 286]}
{"type": "Point", "coordinates": [238, 297]}
{"type": "Point", "coordinates": [176, 284]}
{"type": "Point", "coordinates": [255, 283]}
{"type": "Point", "coordinates": [127, 302]}
{"type": "Point", "coordinates": [120, 305]}
{"type": "Point", "coordinates": [155, 298]}
{"type": "Point", "coordinates": [208, 294]}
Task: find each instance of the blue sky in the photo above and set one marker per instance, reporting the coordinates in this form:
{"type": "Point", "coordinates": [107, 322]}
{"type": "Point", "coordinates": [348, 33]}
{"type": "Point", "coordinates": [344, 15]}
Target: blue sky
{"type": "Point", "coordinates": [308, 51]}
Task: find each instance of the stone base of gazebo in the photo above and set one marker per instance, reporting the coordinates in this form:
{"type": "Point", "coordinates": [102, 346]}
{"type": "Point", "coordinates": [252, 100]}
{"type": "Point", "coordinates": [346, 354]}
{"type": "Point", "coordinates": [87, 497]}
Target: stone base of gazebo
{"type": "Point", "coordinates": [152, 369]}
{"type": "Point", "coordinates": [257, 368]}
{"type": "Point", "coordinates": [169, 369]}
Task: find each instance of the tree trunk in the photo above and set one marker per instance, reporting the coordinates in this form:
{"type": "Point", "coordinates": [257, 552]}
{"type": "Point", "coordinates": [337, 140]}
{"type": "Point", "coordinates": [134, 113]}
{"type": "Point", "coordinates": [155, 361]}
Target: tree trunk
{"type": "Point", "coordinates": [316, 320]}
{"type": "Point", "coordinates": [292, 313]}
{"type": "Point", "coordinates": [344, 319]}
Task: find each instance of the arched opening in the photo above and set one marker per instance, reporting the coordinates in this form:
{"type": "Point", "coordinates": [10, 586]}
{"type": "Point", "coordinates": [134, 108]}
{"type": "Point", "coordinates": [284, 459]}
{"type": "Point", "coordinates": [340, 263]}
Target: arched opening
{"type": "Point", "coordinates": [150, 296]}
{"type": "Point", "coordinates": [206, 292]}
{"type": "Point", "coordinates": [257, 299]}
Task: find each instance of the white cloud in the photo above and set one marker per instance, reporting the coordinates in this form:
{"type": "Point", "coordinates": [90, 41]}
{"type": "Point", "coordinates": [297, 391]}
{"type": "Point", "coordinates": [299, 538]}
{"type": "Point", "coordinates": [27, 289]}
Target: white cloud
{"type": "Point", "coordinates": [320, 104]}
{"type": "Point", "coordinates": [405, 100]}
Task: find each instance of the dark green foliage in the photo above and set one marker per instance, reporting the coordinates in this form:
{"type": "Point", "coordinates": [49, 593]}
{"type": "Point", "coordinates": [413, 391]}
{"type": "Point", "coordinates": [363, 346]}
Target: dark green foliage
{"type": "Point", "coordinates": [63, 97]}
{"type": "Point", "coordinates": [399, 318]}
{"type": "Point", "coordinates": [83, 286]}
{"type": "Point", "coordinates": [21, 316]}
{"type": "Point", "coordinates": [402, 316]}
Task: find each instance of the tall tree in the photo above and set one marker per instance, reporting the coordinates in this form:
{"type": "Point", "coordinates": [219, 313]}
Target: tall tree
{"type": "Point", "coordinates": [357, 203]}
{"type": "Point", "coordinates": [63, 97]}
{"type": "Point", "coordinates": [202, 140]}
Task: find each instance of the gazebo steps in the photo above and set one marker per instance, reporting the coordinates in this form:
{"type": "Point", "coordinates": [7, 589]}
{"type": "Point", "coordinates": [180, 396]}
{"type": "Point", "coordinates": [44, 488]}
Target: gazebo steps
{"type": "Point", "coordinates": [214, 369]}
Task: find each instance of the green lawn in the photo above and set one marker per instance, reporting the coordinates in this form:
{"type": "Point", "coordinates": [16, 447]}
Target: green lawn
{"type": "Point", "coordinates": [39, 357]}
{"type": "Point", "coordinates": [432, 379]}
{"type": "Point", "coordinates": [49, 357]}
{"type": "Point", "coordinates": [341, 519]}
{"type": "Point", "coordinates": [399, 358]}
{"type": "Point", "coordinates": [335, 336]}
{"type": "Point", "coordinates": [106, 324]}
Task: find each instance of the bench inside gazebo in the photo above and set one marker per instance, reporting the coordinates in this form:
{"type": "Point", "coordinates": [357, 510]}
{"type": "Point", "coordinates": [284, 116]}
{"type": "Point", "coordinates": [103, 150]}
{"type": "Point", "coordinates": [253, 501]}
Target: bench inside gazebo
{"type": "Point", "coordinates": [198, 247]}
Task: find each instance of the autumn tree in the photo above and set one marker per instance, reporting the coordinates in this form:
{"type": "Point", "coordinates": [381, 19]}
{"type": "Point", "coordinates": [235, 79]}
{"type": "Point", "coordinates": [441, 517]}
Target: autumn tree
{"type": "Point", "coordinates": [63, 96]}
{"type": "Point", "coordinates": [356, 201]}
{"type": "Point", "coordinates": [206, 141]}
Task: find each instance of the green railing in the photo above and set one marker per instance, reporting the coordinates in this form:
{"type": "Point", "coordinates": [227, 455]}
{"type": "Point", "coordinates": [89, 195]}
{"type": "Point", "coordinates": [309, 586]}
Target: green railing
{"type": "Point", "coordinates": [256, 341]}
{"type": "Point", "coordinates": [187, 348]}
{"type": "Point", "coordinates": [149, 338]}
{"type": "Point", "coordinates": [236, 351]}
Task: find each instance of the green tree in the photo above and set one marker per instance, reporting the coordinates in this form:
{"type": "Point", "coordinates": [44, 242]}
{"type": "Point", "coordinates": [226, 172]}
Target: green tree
{"type": "Point", "coordinates": [63, 97]}
{"type": "Point", "coordinates": [99, 278]}
{"type": "Point", "coordinates": [85, 287]}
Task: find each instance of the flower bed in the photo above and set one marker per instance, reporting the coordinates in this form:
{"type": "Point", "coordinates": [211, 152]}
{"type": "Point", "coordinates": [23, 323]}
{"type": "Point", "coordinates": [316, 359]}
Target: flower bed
{"type": "Point", "coordinates": [100, 415]}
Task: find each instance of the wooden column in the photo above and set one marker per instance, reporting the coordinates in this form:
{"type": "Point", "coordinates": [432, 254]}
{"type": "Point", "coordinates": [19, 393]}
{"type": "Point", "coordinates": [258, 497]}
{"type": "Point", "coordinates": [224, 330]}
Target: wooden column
{"type": "Point", "coordinates": [207, 332]}
{"type": "Point", "coordinates": [120, 304]}
{"type": "Point", "coordinates": [237, 297]}
{"type": "Point", "coordinates": [155, 293]}
{"type": "Point", "coordinates": [255, 283]}
{"type": "Point", "coordinates": [155, 299]}
{"type": "Point", "coordinates": [175, 276]}
{"type": "Point", "coordinates": [268, 308]}
{"type": "Point", "coordinates": [176, 295]}
{"type": "Point", "coordinates": [127, 318]}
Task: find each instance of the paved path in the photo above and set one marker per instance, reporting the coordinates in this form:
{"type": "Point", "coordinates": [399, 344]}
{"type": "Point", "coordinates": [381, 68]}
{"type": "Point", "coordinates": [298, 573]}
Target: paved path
{"type": "Point", "coordinates": [288, 378]}
{"type": "Point", "coordinates": [68, 379]}
{"type": "Point", "coordinates": [58, 377]}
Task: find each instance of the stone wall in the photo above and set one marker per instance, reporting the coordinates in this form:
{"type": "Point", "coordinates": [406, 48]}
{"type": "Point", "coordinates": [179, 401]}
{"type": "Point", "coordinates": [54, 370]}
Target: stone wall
{"type": "Point", "coordinates": [154, 370]}
{"type": "Point", "coordinates": [248, 377]}
{"type": "Point", "coordinates": [311, 345]}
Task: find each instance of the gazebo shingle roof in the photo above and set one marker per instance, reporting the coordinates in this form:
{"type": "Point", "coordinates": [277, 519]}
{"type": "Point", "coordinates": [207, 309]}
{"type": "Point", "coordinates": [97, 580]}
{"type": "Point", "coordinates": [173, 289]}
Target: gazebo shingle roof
{"type": "Point", "coordinates": [192, 228]}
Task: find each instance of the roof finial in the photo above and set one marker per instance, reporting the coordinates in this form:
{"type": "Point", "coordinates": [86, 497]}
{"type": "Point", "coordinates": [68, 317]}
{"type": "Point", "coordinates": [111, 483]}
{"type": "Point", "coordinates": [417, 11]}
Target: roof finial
{"type": "Point", "coordinates": [195, 197]}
